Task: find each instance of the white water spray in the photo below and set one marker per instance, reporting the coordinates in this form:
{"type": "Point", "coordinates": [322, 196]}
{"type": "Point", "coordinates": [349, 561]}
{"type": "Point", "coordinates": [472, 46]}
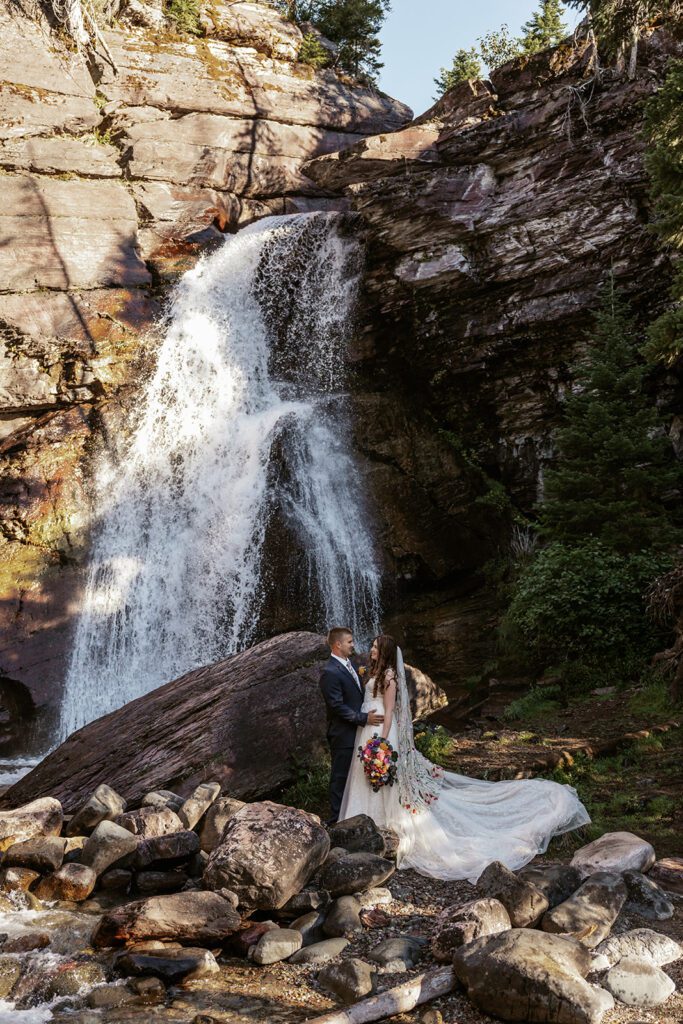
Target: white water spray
{"type": "Point", "coordinates": [252, 359]}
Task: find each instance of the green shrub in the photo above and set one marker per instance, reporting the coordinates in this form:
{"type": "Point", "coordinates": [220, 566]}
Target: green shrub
{"type": "Point", "coordinates": [185, 14]}
{"type": "Point", "coordinates": [434, 742]}
{"type": "Point", "coordinates": [538, 701]}
{"type": "Point", "coordinates": [309, 790]}
{"type": "Point", "coordinates": [312, 52]}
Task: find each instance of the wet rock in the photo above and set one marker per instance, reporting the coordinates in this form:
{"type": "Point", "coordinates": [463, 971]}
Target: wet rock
{"type": "Point", "coordinates": [267, 853]}
{"type": "Point", "coordinates": [402, 950]}
{"type": "Point", "coordinates": [524, 903]}
{"type": "Point", "coordinates": [638, 983]}
{"type": "Point", "coordinates": [343, 918]}
{"type": "Point", "coordinates": [277, 944]}
{"type": "Point", "coordinates": [17, 878]}
{"type": "Point", "coordinates": [72, 882]}
{"type": "Point", "coordinates": [217, 817]}
{"type": "Point", "coordinates": [306, 901]}
{"type": "Point", "coordinates": [352, 872]}
{"type": "Point", "coordinates": [43, 854]}
{"type": "Point", "coordinates": [557, 882]}
{"type": "Point", "coordinates": [645, 898]}
{"type": "Point", "coordinates": [196, 805]}
{"type": "Point", "coordinates": [41, 817]}
{"type": "Point", "coordinates": [201, 917]}
{"type": "Point", "coordinates": [10, 972]}
{"type": "Point", "coordinates": [149, 991]}
{"type": "Point", "coordinates": [148, 882]}
{"type": "Point", "coordinates": [72, 976]}
{"type": "Point", "coordinates": [642, 944]}
{"type": "Point", "coordinates": [320, 952]}
{"type": "Point", "coordinates": [614, 852]}
{"type": "Point", "coordinates": [104, 804]}
{"type": "Point", "coordinates": [6, 904]}
{"type": "Point", "coordinates": [176, 846]}
{"type": "Point", "coordinates": [358, 835]}
{"type": "Point", "coordinates": [26, 942]}
{"type": "Point", "coordinates": [108, 843]}
{"type": "Point", "coordinates": [116, 880]}
{"type": "Point", "coordinates": [590, 913]}
{"type": "Point", "coordinates": [537, 977]}
{"type": "Point", "coordinates": [310, 925]}
{"type": "Point", "coordinates": [162, 798]}
{"type": "Point", "coordinates": [149, 822]}
{"type": "Point", "coordinates": [668, 873]}
{"type": "Point", "coordinates": [350, 980]}
{"type": "Point", "coordinates": [106, 997]}
{"type": "Point", "coordinates": [171, 966]}
{"type": "Point", "coordinates": [456, 926]}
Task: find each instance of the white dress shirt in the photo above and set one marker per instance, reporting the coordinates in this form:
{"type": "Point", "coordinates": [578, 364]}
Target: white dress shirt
{"type": "Point", "coordinates": [349, 668]}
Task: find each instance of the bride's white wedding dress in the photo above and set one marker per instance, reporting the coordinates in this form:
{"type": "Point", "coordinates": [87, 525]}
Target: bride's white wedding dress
{"type": "Point", "coordinates": [462, 824]}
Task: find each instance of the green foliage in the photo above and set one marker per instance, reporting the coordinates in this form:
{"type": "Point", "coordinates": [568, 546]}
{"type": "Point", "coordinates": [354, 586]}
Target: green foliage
{"type": "Point", "coordinates": [615, 466]}
{"type": "Point", "coordinates": [103, 138]}
{"type": "Point", "coordinates": [545, 27]}
{"type": "Point", "coordinates": [185, 14]}
{"type": "Point", "coordinates": [466, 67]}
{"type": "Point", "coordinates": [434, 742]}
{"type": "Point", "coordinates": [664, 163]}
{"type": "Point", "coordinates": [310, 786]}
{"type": "Point", "coordinates": [537, 702]}
{"type": "Point", "coordinates": [353, 25]}
{"type": "Point", "coordinates": [652, 700]}
{"type": "Point", "coordinates": [498, 47]}
{"type": "Point", "coordinates": [618, 23]}
{"type": "Point", "coordinates": [312, 52]}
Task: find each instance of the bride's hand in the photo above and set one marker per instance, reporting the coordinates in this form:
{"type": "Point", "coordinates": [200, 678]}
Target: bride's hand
{"type": "Point", "coordinates": [374, 718]}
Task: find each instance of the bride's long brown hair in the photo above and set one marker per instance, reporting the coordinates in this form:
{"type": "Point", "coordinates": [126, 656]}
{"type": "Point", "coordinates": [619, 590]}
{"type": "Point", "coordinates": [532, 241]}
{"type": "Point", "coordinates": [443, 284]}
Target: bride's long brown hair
{"type": "Point", "coordinates": [386, 659]}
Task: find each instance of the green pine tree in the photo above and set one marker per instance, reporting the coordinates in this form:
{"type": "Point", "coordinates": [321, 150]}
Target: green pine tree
{"type": "Point", "coordinates": [615, 469]}
{"type": "Point", "coordinates": [545, 27]}
{"type": "Point", "coordinates": [466, 67]}
{"type": "Point", "coordinates": [619, 23]}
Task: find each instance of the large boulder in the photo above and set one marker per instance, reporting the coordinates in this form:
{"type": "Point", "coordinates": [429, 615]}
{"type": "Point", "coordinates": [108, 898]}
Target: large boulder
{"type": "Point", "coordinates": [592, 910]}
{"type": "Point", "coordinates": [350, 873]}
{"type": "Point", "coordinates": [267, 854]}
{"type": "Point", "coordinates": [71, 882]}
{"type": "Point", "coordinates": [642, 943]}
{"type": "Point", "coordinates": [217, 817]}
{"type": "Point", "coordinates": [668, 873]}
{"type": "Point", "coordinates": [44, 854]}
{"type": "Point", "coordinates": [42, 817]}
{"type": "Point", "coordinates": [523, 901]}
{"type": "Point", "coordinates": [104, 803]}
{"type": "Point", "coordinates": [151, 822]}
{"type": "Point", "coordinates": [456, 926]}
{"type": "Point", "coordinates": [524, 974]}
{"type": "Point", "coordinates": [108, 843]}
{"type": "Point", "coordinates": [201, 917]}
{"type": "Point", "coordinates": [639, 983]}
{"type": "Point", "coordinates": [358, 834]}
{"type": "Point", "coordinates": [615, 852]}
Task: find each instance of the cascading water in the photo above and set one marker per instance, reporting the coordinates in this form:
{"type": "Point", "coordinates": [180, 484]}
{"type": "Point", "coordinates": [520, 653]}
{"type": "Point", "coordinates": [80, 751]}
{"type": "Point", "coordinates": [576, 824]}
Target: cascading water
{"type": "Point", "coordinates": [253, 359]}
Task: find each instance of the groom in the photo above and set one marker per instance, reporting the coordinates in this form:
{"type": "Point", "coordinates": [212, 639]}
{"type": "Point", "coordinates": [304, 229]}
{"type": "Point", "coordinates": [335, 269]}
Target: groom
{"type": "Point", "coordinates": [343, 695]}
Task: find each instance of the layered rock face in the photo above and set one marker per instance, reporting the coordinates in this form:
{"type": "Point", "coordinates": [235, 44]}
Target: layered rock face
{"type": "Point", "coordinates": [491, 222]}
{"type": "Point", "coordinates": [113, 181]}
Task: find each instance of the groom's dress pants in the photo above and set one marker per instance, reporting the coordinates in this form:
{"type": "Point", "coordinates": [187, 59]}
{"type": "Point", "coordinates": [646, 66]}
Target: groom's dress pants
{"type": "Point", "coordinates": [341, 765]}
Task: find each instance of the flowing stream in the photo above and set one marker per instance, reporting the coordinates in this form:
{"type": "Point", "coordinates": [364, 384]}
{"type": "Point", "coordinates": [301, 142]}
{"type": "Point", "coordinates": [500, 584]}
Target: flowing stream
{"type": "Point", "coordinates": [243, 422]}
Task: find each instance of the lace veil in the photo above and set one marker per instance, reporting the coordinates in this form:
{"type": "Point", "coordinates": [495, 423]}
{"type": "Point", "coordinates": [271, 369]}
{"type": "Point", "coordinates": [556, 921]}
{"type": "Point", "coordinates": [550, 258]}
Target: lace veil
{"type": "Point", "coordinates": [419, 781]}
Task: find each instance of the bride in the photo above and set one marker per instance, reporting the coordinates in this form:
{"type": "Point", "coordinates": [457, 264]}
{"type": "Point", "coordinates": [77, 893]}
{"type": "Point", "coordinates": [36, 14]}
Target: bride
{"type": "Point", "coordinates": [449, 826]}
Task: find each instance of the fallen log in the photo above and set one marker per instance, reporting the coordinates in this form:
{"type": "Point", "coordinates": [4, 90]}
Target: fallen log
{"type": "Point", "coordinates": [404, 997]}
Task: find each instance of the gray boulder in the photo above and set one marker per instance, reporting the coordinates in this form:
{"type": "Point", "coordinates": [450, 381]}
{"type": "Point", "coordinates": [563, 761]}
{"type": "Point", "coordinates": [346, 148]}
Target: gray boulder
{"type": "Point", "coordinates": [557, 882]}
{"type": "Point", "coordinates": [277, 944]}
{"type": "Point", "coordinates": [43, 817]}
{"type": "Point", "coordinates": [638, 983]}
{"type": "Point", "coordinates": [267, 853]}
{"type": "Point", "coordinates": [320, 952]}
{"type": "Point", "coordinates": [172, 966]}
{"type": "Point", "coordinates": [343, 918]}
{"type": "Point", "coordinates": [614, 852]}
{"type": "Point", "coordinates": [150, 822]}
{"type": "Point", "coordinates": [456, 926]}
{"type": "Point", "coordinates": [348, 873]}
{"type": "Point", "coordinates": [645, 898]}
{"type": "Point", "coordinates": [350, 980]}
{"type": "Point", "coordinates": [358, 835]}
{"type": "Point", "coordinates": [177, 846]}
{"type": "Point", "coordinates": [643, 944]}
{"type": "Point", "coordinates": [401, 952]}
{"type": "Point", "coordinates": [108, 843]}
{"type": "Point", "coordinates": [104, 804]}
{"type": "Point", "coordinates": [311, 927]}
{"type": "Point", "coordinates": [524, 974]}
{"type": "Point", "coordinates": [217, 817]}
{"type": "Point", "coordinates": [43, 854]}
{"type": "Point", "coordinates": [589, 914]}
{"type": "Point", "coordinates": [199, 917]}
{"type": "Point", "coordinates": [162, 798]}
{"type": "Point", "coordinates": [524, 903]}
{"type": "Point", "coordinates": [196, 805]}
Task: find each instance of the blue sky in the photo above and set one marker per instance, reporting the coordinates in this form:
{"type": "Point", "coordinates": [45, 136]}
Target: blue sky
{"type": "Point", "coordinates": [421, 36]}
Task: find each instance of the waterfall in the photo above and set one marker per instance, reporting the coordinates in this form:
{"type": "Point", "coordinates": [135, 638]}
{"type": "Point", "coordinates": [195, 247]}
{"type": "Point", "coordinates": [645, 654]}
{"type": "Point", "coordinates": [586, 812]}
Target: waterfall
{"type": "Point", "coordinates": [243, 420]}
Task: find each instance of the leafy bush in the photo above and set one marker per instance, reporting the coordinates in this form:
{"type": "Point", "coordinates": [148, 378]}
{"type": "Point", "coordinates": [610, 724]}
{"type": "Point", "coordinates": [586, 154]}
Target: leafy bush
{"type": "Point", "coordinates": [312, 52]}
{"type": "Point", "coordinates": [309, 790]}
{"type": "Point", "coordinates": [538, 701]}
{"type": "Point", "coordinates": [185, 14]}
{"type": "Point", "coordinates": [434, 742]}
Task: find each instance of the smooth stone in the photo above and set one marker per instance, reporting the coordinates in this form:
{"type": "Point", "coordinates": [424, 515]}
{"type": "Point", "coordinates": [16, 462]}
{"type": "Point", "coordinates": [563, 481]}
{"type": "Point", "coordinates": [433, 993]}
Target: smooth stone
{"type": "Point", "coordinates": [614, 852]}
{"type": "Point", "coordinates": [349, 980]}
{"type": "Point", "coordinates": [72, 976]}
{"type": "Point", "coordinates": [524, 903]}
{"type": "Point", "coordinates": [43, 854]}
{"type": "Point", "coordinates": [149, 991]}
{"type": "Point", "coordinates": [403, 949]}
{"type": "Point", "coordinates": [637, 983]}
{"type": "Point", "coordinates": [589, 914]}
{"type": "Point", "coordinates": [643, 944]}
{"type": "Point", "coordinates": [176, 846]}
{"type": "Point", "coordinates": [43, 817]}
{"type": "Point", "coordinates": [162, 798]}
{"type": "Point", "coordinates": [557, 882]}
{"type": "Point", "coordinates": [668, 872]}
{"type": "Point", "coordinates": [319, 952]}
{"type": "Point", "coordinates": [26, 942]}
{"type": "Point", "coordinates": [304, 902]}
{"type": "Point", "coordinates": [116, 880]}
{"type": "Point", "coordinates": [148, 882]}
{"type": "Point", "coordinates": [196, 805]}
{"type": "Point", "coordinates": [108, 843]}
{"type": "Point", "coordinates": [456, 926]}
{"type": "Point", "coordinates": [10, 972]}
{"type": "Point", "coordinates": [105, 803]}
{"type": "Point", "coordinates": [12, 879]}
{"type": "Point", "coordinates": [358, 835]}
{"type": "Point", "coordinates": [106, 997]}
{"type": "Point", "coordinates": [193, 917]}
{"type": "Point", "coordinates": [171, 965]}
{"type": "Point", "coordinates": [277, 944]}
{"type": "Point", "coordinates": [370, 898]}
{"type": "Point", "coordinates": [150, 822]}
{"type": "Point", "coordinates": [310, 925]}
{"type": "Point", "coordinates": [72, 882]}
{"type": "Point", "coordinates": [248, 936]}
{"type": "Point", "coordinates": [74, 848]}
{"type": "Point", "coordinates": [350, 873]}
{"type": "Point", "coordinates": [645, 898]}
{"type": "Point", "coordinates": [217, 817]}
{"type": "Point", "coordinates": [343, 918]}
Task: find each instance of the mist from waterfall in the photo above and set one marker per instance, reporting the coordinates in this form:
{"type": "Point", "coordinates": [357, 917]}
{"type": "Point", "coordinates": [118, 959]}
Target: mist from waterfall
{"type": "Point", "coordinates": [250, 375]}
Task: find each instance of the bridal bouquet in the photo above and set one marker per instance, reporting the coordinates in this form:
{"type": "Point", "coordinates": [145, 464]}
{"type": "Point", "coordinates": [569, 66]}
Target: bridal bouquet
{"type": "Point", "coordinates": [379, 758]}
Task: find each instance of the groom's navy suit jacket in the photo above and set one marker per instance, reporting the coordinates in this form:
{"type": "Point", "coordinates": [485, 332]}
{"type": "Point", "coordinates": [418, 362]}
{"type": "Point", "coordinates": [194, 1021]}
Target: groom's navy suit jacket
{"type": "Point", "coordinates": [343, 698]}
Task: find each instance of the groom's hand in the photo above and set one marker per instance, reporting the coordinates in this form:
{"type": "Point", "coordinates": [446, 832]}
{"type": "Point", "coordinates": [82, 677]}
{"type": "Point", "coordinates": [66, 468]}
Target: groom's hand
{"type": "Point", "coordinates": [374, 718]}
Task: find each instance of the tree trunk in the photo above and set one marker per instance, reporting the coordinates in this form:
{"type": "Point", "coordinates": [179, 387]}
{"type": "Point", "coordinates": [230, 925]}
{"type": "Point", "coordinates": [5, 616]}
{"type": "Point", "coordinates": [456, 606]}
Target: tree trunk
{"type": "Point", "coordinates": [401, 999]}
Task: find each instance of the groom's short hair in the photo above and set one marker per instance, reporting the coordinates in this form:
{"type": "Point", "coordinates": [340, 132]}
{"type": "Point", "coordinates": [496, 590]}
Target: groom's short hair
{"type": "Point", "coordinates": [336, 634]}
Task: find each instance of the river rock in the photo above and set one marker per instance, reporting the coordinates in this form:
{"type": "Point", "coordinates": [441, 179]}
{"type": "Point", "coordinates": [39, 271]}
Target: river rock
{"type": "Point", "coordinates": [523, 974]}
{"type": "Point", "coordinates": [150, 822]}
{"type": "Point", "coordinates": [248, 936]}
{"type": "Point", "coordinates": [74, 975]}
{"type": "Point", "coordinates": [401, 951]}
{"type": "Point", "coordinates": [524, 903]}
{"type": "Point", "coordinates": [108, 843]}
{"type": "Point", "coordinates": [201, 917]}
{"type": "Point", "coordinates": [642, 944]}
{"type": "Point", "coordinates": [71, 882]}
{"type": "Point", "coordinates": [349, 980]}
{"type": "Point", "coordinates": [162, 798]}
{"type": "Point", "coordinates": [277, 944]}
{"type": "Point", "coordinates": [116, 880]}
{"type": "Point", "coordinates": [456, 926]}
{"type": "Point", "coordinates": [343, 918]}
{"type": "Point", "coordinates": [105, 803]}
{"type": "Point", "coordinates": [306, 901]}
{"type": "Point", "coordinates": [26, 942]}
{"type": "Point", "coordinates": [358, 835]}
{"type": "Point", "coordinates": [557, 882]}
{"type": "Point", "coordinates": [175, 846]}
{"type": "Point", "coordinates": [172, 966]}
{"type": "Point", "coordinates": [147, 882]}
{"type": "Point", "coordinates": [107, 997]}
{"type": "Point", "coordinates": [591, 911]}
{"type": "Point", "coordinates": [196, 805]}
{"type": "Point", "coordinates": [43, 854]}
{"type": "Point", "coordinates": [311, 927]}
{"type": "Point", "coordinates": [614, 852]}
{"type": "Point", "coordinates": [638, 983]}
{"type": "Point", "coordinates": [10, 972]}
{"type": "Point", "coordinates": [217, 817]}
{"type": "Point", "coordinates": [74, 848]}
{"type": "Point", "coordinates": [267, 853]}
{"type": "Point", "coordinates": [668, 873]}
{"type": "Point", "coordinates": [17, 878]}
{"type": "Point", "coordinates": [320, 952]}
{"type": "Point", "coordinates": [43, 817]}
{"type": "Point", "coordinates": [645, 898]}
{"type": "Point", "coordinates": [352, 872]}
{"type": "Point", "coordinates": [379, 897]}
